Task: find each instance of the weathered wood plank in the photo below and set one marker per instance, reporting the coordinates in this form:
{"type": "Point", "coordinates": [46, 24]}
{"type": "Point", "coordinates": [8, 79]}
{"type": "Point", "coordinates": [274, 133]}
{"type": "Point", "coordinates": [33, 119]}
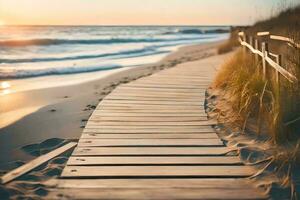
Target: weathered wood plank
{"type": "Point", "coordinates": [147, 110]}
{"type": "Point", "coordinates": [201, 160]}
{"type": "Point", "coordinates": [35, 163]}
{"type": "Point", "coordinates": [147, 107]}
{"type": "Point", "coordinates": [153, 129]}
{"type": "Point", "coordinates": [151, 123]}
{"type": "Point", "coordinates": [158, 194]}
{"type": "Point", "coordinates": [141, 98]}
{"type": "Point", "coordinates": [135, 85]}
{"type": "Point", "coordinates": [151, 106]}
{"type": "Point", "coordinates": [198, 96]}
{"type": "Point", "coordinates": [171, 82]}
{"type": "Point", "coordinates": [163, 88]}
{"type": "Point", "coordinates": [158, 171]}
{"type": "Point", "coordinates": [176, 79]}
{"type": "Point", "coordinates": [154, 151]}
{"type": "Point", "coordinates": [204, 183]}
{"type": "Point", "coordinates": [145, 102]}
{"type": "Point", "coordinates": [148, 142]}
{"type": "Point", "coordinates": [150, 136]}
{"type": "Point", "coordinates": [161, 91]}
{"type": "Point", "coordinates": [148, 119]}
{"type": "Point", "coordinates": [98, 113]}
{"type": "Point", "coordinates": [149, 129]}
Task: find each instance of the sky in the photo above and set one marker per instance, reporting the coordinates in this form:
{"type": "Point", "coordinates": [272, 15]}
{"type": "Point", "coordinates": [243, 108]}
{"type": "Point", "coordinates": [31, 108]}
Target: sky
{"type": "Point", "coordinates": [136, 12]}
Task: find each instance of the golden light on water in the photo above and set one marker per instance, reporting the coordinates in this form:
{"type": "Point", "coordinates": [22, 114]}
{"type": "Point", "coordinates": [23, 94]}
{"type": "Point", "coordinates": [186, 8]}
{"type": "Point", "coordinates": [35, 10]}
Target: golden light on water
{"type": "Point", "coordinates": [5, 85]}
{"type": "Point", "coordinates": [5, 88]}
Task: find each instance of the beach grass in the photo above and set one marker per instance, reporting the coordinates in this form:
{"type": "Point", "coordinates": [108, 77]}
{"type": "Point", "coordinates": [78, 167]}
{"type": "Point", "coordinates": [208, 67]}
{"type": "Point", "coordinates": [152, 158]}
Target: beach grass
{"type": "Point", "coordinates": [259, 105]}
{"type": "Point", "coordinates": [231, 43]}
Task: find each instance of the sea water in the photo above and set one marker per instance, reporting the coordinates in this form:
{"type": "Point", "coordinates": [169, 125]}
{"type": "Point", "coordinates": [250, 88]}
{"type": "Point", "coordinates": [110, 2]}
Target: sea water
{"type": "Point", "coordinates": [32, 51]}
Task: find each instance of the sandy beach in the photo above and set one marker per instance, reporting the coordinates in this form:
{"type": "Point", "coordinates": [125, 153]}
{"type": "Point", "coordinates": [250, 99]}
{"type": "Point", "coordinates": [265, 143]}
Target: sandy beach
{"type": "Point", "coordinates": [36, 115]}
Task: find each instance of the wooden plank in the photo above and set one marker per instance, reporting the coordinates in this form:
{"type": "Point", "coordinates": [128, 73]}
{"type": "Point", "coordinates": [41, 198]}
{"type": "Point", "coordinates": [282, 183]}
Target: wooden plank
{"type": "Point", "coordinates": [178, 74]}
{"type": "Point", "coordinates": [152, 88]}
{"type": "Point", "coordinates": [285, 39]}
{"type": "Point", "coordinates": [114, 97]}
{"type": "Point", "coordinates": [101, 109]}
{"type": "Point", "coordinates": [177, 79]}
{"type": "Point", "coordinates": [162, 95]}
{"type": "Point", "coordinates": [162, 109]}
{"type": "Point", "coordinates": [157, 171]}
{"type": "Point", "coordinates": [171, 83]}
{"type": "Point", "coordinates": [35, 163]}
{"type": "Point", "coordinates": [148, 151]}
{"type": "Point", "coordinates": [153, 105]}
{"type": "Point", "coordinates": [155, 194]}
{"type": "Point", "coordinates": [191, 128]}
{"type": "Point", "coordinates": [149, 136]}
{"type": "Point", "coordinates": [98, 118]}
{"type": "Point", "coordinates": [149, 106]}
{"type": "Point", "coordinates": [160, 91]}
{"type": "Point", "coordinates": [145, 102]}
{"type": "Point", "coordinates": [91, 129]}
{"type": "Point", "coordinates": [173, 80]}
{"type": "Point", "coordinates": [142, 160]}
{"type": "Point", "coordinates": [148, 142]}
{"type": "Point", "coordinates": [157, 109]}
{"type": "Point", "coordinates": [204, 183]}
{"type": "Point", "coordinates": [147, 110]}
{"type": "Point", "coordinates": [158, 194]}
{"type": "Point", "coordinates": [147, 123]}
{"type": "Point", "coordinates": [266, 33]}
{"type": "Point", "coordinates": [98, 113]}
{"type": "Point", "coordinates": [144, 85]}
{"type": "Point", "coordinates": [141, 97]}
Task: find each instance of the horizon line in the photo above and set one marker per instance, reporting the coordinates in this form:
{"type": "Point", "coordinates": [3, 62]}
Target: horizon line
{"type": "Point", "coordinates": [113, 25]}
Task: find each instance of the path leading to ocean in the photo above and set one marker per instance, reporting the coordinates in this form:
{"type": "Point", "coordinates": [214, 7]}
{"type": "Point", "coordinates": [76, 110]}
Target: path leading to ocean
{"type": "Point", "coordinates": [151, 139]}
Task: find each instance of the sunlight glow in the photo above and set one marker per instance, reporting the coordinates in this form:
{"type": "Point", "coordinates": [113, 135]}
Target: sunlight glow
{"type": "Point", "coordinates": [5, 85]}
{"type": "Point", "coordinates": [2, 23]}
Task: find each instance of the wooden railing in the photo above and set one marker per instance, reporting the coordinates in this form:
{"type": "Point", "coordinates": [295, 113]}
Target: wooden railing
{"type": "Point", "coordinates": [268, 58]}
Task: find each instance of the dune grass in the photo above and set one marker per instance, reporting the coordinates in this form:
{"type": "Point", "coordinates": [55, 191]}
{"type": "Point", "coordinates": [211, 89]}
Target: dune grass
{"type": "Point", "coordinates": [230, 44]}
{"type": "Point", "coordinates": [260, 106]}
{"type": "Point", "coordinates": [276, 109]}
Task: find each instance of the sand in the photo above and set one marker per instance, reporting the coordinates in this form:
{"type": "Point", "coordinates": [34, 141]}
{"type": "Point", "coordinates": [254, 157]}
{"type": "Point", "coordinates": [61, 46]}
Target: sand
{"type": "Point", "coordinates": [61, 112]}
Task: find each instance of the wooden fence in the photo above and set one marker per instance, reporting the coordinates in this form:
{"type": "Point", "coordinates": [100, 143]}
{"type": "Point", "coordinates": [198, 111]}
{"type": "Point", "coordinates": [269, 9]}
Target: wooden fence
{"type": "Point", "coordinates": [268, 58]}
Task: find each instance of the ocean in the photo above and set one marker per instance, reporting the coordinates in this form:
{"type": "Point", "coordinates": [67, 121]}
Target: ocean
{"type": "Point", "coordinates": [32, 51]}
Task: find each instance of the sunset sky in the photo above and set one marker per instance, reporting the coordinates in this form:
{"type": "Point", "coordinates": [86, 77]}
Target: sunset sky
{"type": "Point", "coordinates": [135, 12]}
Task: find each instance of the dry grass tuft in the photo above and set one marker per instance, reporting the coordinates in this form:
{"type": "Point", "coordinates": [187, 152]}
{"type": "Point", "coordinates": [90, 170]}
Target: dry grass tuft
{"type": "Point", "coordinates": [230, 44]}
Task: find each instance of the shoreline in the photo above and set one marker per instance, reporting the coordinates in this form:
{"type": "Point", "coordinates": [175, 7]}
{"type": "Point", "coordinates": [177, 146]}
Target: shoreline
{"type": "Point", "coordinates": [61, 112]}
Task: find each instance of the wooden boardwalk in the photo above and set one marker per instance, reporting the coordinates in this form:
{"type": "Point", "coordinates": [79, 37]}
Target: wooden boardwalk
{"type": "Point", "coordinates": [151, 139]}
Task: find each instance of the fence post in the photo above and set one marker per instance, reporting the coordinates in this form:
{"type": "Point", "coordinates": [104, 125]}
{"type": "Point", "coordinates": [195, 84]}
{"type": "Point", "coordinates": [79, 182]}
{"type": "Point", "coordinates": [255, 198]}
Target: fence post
{"type": "Point", "coordinates": [279, 62]}
{"type": "Point", "coordinates": [245, 40]}
{"type": "Point", "coordinates": [256, 48]}
{"type": "Point", "coordinates": [251, 40]}
{"type": "Point", "coordinates": [265, 51]}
